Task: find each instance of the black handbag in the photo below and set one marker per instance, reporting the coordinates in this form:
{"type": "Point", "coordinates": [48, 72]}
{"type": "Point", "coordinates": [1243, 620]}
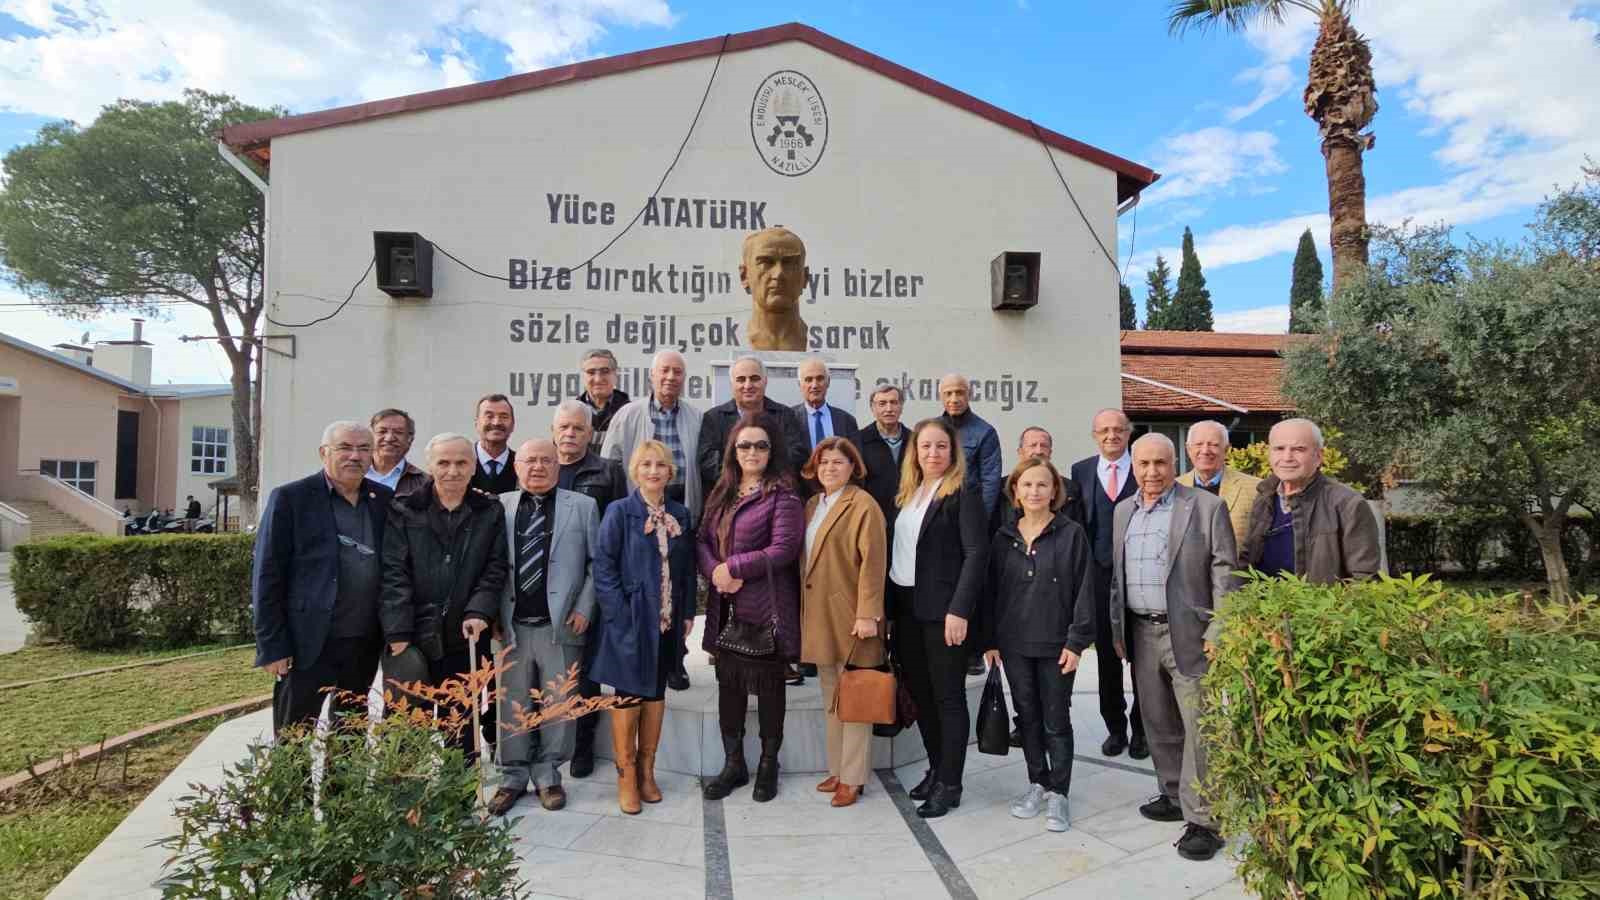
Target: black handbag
{"type": "Point", "coordinates": [994, 718]}
{"type": "Point", "coordinates": [758, 639]}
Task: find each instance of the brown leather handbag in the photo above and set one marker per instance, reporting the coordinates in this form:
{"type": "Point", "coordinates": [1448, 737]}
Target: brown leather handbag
{"type": "Point", "coordinates": [866, 696]}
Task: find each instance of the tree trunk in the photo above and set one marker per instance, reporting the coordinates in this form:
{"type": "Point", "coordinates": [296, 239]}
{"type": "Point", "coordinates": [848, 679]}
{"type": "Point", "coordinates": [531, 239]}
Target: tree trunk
{"type": "Point", "coordinates": [1547, 531]}
{"type": "Point", "coordinates": [245, 450]}
{"type": "Point", "coordinates": [1347, 209]}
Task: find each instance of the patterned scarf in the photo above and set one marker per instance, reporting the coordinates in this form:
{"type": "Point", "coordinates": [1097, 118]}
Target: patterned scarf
{"type": "Point", "coordinates": [664, 526]}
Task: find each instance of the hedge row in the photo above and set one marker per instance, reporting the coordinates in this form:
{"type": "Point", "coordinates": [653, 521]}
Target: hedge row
{"type": "Point", "coordinates": [172, 590]}
{"type": "Point", "coordinates": [1424, 544]}
{"type": "Point", "coordinates": [1394, 738]}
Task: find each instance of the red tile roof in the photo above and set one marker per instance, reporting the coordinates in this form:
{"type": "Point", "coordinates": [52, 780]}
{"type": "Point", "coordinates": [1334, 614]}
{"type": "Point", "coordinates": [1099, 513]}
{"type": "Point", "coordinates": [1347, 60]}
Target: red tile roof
{"type": "Point", "coordinates": [255, 138]}
{"type": "Point", "coordinates": [1202, 372]}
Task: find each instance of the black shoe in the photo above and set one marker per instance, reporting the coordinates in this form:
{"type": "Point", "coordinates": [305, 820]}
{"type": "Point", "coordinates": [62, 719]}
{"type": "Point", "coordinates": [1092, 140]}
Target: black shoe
{"type": "Point", "coordinates": [1138, 748]}
{"type": "Point", "coordinates": [794, 677]}
{"type": "Point", "coordinates": [734, 774]}
{"type": "Point", "coordinates": [582, 765]}
{"type": "Point", "coordinates": [923, 788]}
{"type": "Point", "coordinates": [1161, 809]}
{"type": "Point", "coordinates": [975, 667]}
{"type": "Point", "coordinates": [1114, 745]}
{"type": "Point", "coordinates": [1198, 842]}
{"type": "Point", "coordinates": [678, 681]}
{"type": "Point", "coordinates": [808, 669]}
{"type": "Point", "coordinates": [1016, 737]}
{"type": "Point", "coordinates": [767, 771]}
{"type": "Point", "coordinates": [941, 800]}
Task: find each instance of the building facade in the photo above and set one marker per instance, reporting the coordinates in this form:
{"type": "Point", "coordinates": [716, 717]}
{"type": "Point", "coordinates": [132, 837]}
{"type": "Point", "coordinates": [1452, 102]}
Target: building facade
{"type": "Point", "coordinates": [904, 191]}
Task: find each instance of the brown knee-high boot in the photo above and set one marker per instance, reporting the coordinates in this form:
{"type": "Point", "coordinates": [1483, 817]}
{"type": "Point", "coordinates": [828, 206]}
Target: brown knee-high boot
{"type": "Point", "coordinates": [625, 750]}
{"type": "Point", "coordinates": [650, 716]}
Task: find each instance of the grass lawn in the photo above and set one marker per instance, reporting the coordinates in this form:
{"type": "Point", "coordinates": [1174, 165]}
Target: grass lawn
{"type": "Point", "coordinates": [45, 830]}
{"type": "Point", "coordinates": [46, 720]}
{"type": "Point", "coordinates": [43, 662]}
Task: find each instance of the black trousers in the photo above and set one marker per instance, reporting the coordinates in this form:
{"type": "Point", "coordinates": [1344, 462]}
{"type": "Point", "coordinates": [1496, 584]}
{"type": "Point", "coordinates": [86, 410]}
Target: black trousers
{"type": "Point", "coordinates": [456, 663]}
{"type": "Point", "coordinates": [936, 676]}
{"type": "Point", "coordinates": [1043, 700]}
{"type": "Point", "coordinates": [346, 664]}
{"type": "Point", "coordinates": [1109, 665]}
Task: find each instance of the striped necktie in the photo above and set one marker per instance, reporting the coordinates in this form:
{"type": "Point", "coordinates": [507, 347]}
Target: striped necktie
{"type": "Point", "coordinates": [530, 550]}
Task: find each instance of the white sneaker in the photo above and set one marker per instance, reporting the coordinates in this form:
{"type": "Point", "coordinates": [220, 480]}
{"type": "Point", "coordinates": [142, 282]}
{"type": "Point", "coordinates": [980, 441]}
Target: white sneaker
{"type": "Point", "coordinates": [1028, 805]}
{"type": "Point", "coordinates": [1056, 817]}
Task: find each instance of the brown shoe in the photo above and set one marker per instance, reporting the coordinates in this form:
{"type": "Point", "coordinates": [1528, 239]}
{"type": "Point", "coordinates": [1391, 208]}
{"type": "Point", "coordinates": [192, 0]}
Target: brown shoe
{"type": "Point", "coordinates": [828, 785]}
{"type": "Point", "coordinates": [503, 800]}
{"type": "Point", "coordinates": [846, 794]}
{"type": "Point", "coordinates": [553, 797]}
{"type": "Point", "coordinates": [650, 717]}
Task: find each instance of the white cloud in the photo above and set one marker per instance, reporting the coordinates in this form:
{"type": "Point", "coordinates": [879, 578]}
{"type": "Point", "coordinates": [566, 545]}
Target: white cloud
{"type": "Point", "coordinates": [1283, 45]}
{"type": "Point", "coordinates": [1513, 100]}
{"type": "Point", "coordinates": [305, 57]}
{"type": "Point", "coordinates": [1208, 161]}
{"type": "Point", "coordinates": [173, 361]}
{"type": "Point", "coordinates": [1259, 320]}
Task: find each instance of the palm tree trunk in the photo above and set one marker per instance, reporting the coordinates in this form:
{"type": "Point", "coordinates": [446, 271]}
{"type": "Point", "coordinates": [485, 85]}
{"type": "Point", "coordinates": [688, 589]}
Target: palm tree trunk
{"type": "Point", "coordinates": [1347, 209]}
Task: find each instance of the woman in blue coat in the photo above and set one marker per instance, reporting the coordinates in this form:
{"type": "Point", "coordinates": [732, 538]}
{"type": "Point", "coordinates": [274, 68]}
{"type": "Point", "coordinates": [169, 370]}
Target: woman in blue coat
{"type": "Point", "coordinates": [644, 584]}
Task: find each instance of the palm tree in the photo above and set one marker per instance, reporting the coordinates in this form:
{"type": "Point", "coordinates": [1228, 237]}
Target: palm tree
{"type": "Point", "coordinates": [1340, 97]}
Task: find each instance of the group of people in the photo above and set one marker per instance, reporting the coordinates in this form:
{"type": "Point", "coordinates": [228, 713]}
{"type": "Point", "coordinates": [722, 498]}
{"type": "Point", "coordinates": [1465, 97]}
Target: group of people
{"type": "Point", "coordinates": [820, 544]}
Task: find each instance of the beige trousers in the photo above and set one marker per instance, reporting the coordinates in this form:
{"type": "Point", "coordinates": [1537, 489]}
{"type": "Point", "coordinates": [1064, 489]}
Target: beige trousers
{"type": "Point", "coordinates": [1171, 703]}
{"type": "Point", "coordinates": [849, 743]}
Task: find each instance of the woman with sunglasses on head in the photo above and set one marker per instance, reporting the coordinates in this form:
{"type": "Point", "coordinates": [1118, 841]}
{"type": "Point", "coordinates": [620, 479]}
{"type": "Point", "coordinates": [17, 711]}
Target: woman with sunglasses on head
{"type": "Point", "coordinates": [749, 541]}
{"type": "Point", "coordinates": [938, 546]}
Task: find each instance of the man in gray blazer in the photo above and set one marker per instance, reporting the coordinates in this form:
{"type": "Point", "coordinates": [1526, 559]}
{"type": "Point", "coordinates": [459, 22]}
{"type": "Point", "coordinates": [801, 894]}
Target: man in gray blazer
{"type": "Point", "coordinates": [547, 606]}
{"type": "Point", "coordinates": [1173, 556]}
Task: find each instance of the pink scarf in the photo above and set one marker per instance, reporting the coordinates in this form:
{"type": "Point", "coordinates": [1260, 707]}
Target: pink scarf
{"type": "Point", "coordinates": [664, 526]}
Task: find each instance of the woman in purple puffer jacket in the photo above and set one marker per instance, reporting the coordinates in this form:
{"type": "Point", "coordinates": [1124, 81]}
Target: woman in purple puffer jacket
{"type": "Point", "coordinates": [749, 540]}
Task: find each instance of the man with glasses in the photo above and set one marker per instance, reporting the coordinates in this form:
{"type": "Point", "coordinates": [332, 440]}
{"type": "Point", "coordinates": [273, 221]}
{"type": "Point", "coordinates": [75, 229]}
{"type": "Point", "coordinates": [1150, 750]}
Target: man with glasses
{"type": "Point", "coordinates": [317, 576]}
{"type": "Point", "coordinates": [600, 391]}
{"type": "Point", "coordinates": [1103, 481]}
{"type": "Point", "coordinates": [392, 433]}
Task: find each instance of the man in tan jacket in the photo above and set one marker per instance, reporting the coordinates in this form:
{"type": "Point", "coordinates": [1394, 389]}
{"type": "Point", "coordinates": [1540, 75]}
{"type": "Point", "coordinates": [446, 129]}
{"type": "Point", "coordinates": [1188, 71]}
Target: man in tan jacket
{"type": "Point", "coordinates": [1207, 447]}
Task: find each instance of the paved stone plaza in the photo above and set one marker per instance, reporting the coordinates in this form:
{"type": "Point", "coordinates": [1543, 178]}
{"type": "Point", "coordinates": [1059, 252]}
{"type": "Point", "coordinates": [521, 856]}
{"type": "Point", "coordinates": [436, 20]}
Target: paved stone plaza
{"type": "Point", "coordinates": [794, 846]}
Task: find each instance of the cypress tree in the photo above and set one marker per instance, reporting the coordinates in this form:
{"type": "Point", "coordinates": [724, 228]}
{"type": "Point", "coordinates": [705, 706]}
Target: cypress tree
{"type": "Point", "coordinates": [1191, 305]}
{"type": "Point", "coordinates": [1305, 293]}
{"type": "Point", "coordinates": [1158, 295]}
{"type": "Point", "coordinates": [1130, 314]}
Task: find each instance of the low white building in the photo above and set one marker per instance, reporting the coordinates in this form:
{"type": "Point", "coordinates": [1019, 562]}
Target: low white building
{"type": "Point", "coordinates": [904, 190]}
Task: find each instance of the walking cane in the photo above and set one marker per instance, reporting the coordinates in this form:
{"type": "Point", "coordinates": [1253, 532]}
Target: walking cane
{"type": "Point", "coordinates": [477, 732]}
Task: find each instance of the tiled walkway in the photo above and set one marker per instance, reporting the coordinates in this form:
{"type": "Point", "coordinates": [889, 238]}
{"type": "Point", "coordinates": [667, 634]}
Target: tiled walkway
{"type": "Point", "coordinates": [794, 846]}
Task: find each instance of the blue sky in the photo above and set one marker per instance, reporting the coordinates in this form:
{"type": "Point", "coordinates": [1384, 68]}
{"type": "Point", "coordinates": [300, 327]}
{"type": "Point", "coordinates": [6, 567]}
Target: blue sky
{"type": "Point", "coordinates": [1486, 105]}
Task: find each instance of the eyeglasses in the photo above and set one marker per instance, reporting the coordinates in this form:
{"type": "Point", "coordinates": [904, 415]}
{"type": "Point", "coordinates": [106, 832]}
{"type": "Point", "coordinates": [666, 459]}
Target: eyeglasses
{"type": "Point", "coordinates": [360, 548]}
{"type": "Point", "coordinates": [747, 446]}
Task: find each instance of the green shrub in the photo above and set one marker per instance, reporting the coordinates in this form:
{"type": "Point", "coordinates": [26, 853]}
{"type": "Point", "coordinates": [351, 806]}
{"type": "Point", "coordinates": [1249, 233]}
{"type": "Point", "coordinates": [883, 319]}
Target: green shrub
{"type": "Point", "coordinates": [1415, 544]}
{"type": "Point", "coordinates": [1465, 536]}
{"type": "Point", "coordinates": [96, 592]}
{"type": "Point", "coordinates": [1396, 739]}
{"type": "Point", "coordinates": [395, 818]}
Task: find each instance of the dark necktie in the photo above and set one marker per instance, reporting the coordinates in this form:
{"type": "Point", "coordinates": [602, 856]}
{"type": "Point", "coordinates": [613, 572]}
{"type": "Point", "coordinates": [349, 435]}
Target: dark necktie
{"type": "Point", "coordinates": [530, 550]}
{"type": "Point", "coordinates": [816, 428]}
{"type": "Point", "coordinates": [494, 469]}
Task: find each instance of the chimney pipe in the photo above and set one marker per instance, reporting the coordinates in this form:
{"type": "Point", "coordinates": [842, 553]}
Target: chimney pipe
{"type": "Point", "coordinates": [138, 330]}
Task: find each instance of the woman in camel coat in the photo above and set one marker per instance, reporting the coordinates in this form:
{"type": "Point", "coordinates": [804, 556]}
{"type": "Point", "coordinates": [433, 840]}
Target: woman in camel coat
{"type": "Point", "coordinates": [841, 599]}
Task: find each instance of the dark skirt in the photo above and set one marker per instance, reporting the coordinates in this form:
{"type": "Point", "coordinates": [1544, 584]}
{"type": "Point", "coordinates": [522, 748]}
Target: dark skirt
{"type": "Point", "coordinates": [666, 661]}
{"type": "Point", "coordinates": [756, 674]}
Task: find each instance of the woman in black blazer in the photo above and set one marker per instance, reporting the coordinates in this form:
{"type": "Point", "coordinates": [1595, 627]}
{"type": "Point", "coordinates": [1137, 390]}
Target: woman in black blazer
{"type": "Point", "coordinates": [938, 547]}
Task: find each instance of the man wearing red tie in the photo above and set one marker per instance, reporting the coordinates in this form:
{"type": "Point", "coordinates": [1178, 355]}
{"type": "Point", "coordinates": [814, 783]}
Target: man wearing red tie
{"type": "Point", "coordinates": [1103, 481]}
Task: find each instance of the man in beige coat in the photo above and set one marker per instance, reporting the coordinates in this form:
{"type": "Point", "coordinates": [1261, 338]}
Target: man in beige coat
{"type": "Point", "coordinates": [1207, 446]}
{"type": "Point", "coordinates": [841, 600]}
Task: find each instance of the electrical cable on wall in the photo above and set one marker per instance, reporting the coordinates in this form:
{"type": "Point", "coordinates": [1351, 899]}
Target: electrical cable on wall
{"type": "Point", "coordinates": [1074, 198]}
{"type": "Point", "coordinates": [710, 81]}
{"type": "Point", "coordinates": [1132, 239]}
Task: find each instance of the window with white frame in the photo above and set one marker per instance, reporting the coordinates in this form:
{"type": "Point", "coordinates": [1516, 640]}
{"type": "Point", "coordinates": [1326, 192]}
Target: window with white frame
{"type": "Point", "coordinates": [78, 473]}
{"type": "Point", "coordinates": [208, 451]}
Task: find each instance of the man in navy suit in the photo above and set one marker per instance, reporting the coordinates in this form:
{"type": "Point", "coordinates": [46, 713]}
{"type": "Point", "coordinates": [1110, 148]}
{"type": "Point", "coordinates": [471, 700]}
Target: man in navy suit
{"type": "Point", "coordinates": [1103, 481]}
{"type": "Point", "coordinates": [816, 417]}
{"type": "Point", "coordinates": [317, 577]}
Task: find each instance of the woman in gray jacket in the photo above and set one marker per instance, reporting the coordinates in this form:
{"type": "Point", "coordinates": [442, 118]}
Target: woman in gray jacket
{"type": "Point", "coordinates": [1040, 620]}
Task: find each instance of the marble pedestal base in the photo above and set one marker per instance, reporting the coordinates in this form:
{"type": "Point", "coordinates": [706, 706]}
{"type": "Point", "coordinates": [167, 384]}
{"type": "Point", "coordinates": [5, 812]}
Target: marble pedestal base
{"type": "Point", "coordinates": [691, 742]}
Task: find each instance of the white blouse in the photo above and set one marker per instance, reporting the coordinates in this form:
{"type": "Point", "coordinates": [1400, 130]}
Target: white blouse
{"type": "Point", "coordinates": [815, 525]}
{"type": "Point", "coordinates": [907, 528]}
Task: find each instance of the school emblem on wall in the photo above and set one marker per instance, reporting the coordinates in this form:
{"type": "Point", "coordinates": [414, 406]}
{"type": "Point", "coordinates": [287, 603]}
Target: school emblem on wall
{"type": "Point", "coordinates": [789, 123]}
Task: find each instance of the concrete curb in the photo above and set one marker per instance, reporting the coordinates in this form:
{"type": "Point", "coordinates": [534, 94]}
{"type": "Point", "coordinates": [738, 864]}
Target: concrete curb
{"type": "Point", "coordinates": [90, 751]}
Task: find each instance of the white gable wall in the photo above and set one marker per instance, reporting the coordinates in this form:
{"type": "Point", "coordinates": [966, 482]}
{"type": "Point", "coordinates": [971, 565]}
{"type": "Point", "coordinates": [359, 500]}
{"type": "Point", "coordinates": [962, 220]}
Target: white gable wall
{"type": "Point", "coordinates": [907, 182]}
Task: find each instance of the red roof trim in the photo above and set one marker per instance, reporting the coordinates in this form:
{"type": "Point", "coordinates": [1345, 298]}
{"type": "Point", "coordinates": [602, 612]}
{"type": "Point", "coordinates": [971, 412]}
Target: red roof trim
{"type": "Point", "coordinates": [251, 136]}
